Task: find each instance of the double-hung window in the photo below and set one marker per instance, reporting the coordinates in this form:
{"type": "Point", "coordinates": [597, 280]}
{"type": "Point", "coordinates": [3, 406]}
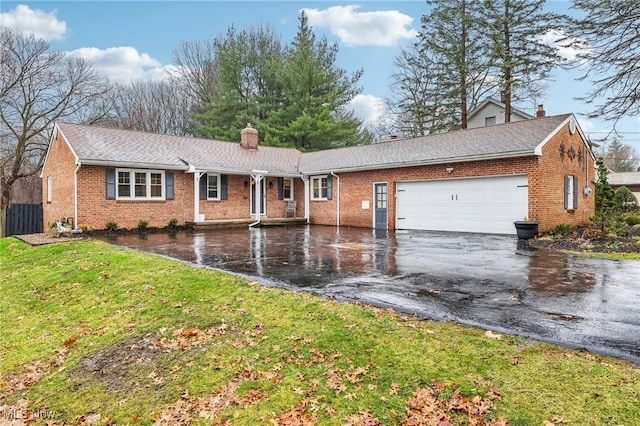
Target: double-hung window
{"type": "Point", "coordinates": [570, 192]}
{"type": "Point", "coordinates": [320, 187]}
{"type": "Point", "coordinates": [140, 184]}
{"type": "Point", "coordinates": [287, 189]}
{"type": "Point", "coordinates": [213, 187]}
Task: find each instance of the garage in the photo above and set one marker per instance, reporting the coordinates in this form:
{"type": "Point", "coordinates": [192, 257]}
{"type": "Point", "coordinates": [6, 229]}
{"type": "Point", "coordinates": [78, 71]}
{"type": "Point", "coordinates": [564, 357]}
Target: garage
{"type": "Point", "coordinates": [486, 204]}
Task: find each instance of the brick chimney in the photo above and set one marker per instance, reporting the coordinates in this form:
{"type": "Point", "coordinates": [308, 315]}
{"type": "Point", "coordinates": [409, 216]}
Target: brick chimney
{"type": "Point", "coordinates": [540, 112]}
{"type": "Point", "coordinates": [249, 138]}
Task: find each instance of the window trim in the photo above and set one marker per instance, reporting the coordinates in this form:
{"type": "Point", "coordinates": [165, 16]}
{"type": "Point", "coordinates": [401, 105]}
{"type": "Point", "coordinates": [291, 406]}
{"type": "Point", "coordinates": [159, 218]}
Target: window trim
{"type": "Point", "coordinates": [132, 184]}
{"type": "Point", "coordinates": [570, 192]}
{"type": "Point", "coordinates": [291, 195]}
{"type": "Point", "coordinates": [490, 120]}
{"type": "Point", "coordinates": [49, 189]}
{"type": "Point", "coordinates": [218, 186]}
{"type": "Point", "coordinates": [320, 178]}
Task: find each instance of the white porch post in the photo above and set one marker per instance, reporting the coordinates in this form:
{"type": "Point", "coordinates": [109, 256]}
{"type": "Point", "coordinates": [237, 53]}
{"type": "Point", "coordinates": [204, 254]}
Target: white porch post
{"type": "Point", "coordinates": [307, 196]}
{"type": "Point", "coordinates": [257, 176]}
{"type": "Point", "coordinates": [196, 196]}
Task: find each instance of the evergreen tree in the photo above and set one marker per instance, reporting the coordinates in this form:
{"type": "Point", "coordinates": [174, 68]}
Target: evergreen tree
{"type": "Point", "coordinates": [607, 215]}
{"type": "Point", "coordinates": [453, 39]}
{"type": "Point", "coordinates": [315, 92]}
{"type": "Point", "coordinates": [519, 55]}
{"type": "Point", "coordinates": [248, 63]}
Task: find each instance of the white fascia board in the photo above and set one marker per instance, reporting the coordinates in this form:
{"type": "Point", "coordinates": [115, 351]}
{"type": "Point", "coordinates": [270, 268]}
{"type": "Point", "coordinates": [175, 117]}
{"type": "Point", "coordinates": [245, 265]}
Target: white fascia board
{"type": "Point", "coordinates": [538, 148]}
{"type": "Point", "coordinates": [56, 131]}
{"type": "Point", "coordinates": [452, 160]}
{"type": "Point", "coordinates": [585, 141]}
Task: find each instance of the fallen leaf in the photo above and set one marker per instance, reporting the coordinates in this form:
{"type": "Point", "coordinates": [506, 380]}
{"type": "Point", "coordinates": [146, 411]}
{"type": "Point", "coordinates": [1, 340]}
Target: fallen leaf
{"type": "Point", "coordinates": [491, 335]}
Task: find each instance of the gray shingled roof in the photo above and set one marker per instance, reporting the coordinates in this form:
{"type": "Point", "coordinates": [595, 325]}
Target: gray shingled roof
{"type": "Point", "coordinates": [625, 178]}
{"type": "Point", "coordinates": [108, 146]}
{"type": "Point", "coordinates": [499, 141]}
{"type": "Point", "coordinates": [125, 148]}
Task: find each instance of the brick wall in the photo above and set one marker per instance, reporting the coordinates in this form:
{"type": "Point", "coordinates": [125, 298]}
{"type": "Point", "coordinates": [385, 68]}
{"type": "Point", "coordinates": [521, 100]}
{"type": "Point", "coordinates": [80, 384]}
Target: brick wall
{"type": "Point", "coordinates": [546, 185]}
{"type": "Point", "coordinates": [94, 210]}
{"type": "Point", "coordinates": [546, 197]}
{"type": "Point", "coordinates": [60, 166]}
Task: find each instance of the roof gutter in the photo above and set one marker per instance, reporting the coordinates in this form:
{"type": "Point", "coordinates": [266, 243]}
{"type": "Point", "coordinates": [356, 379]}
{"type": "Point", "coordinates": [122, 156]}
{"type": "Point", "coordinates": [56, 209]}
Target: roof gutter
{"type": "Point", "coordinates": [124, 164]}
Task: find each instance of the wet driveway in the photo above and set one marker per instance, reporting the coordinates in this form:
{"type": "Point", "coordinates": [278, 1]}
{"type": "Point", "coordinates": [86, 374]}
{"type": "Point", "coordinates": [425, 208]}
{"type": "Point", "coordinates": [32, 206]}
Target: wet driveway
{"type": "Point", "coordinates": [490, 281]}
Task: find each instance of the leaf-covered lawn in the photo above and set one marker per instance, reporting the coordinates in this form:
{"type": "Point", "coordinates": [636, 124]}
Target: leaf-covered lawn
{"type": "Point", "coordinates": [96, 334]}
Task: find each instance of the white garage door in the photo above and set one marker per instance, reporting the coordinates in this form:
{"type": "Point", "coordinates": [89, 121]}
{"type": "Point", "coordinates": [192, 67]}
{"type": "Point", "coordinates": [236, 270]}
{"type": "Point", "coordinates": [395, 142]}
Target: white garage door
{"type": "Point", "coordinates": [488, 204]}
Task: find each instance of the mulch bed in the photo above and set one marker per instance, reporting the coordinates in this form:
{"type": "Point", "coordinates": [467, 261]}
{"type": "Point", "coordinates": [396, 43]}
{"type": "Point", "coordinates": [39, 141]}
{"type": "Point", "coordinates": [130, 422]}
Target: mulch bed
{"type": "Point", "coordinates": [586, 240]}
{"type": "Point", "coordinates": [42, 238]}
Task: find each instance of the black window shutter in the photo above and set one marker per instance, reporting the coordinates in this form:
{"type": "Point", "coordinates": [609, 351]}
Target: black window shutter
{"type": "Point", "coordinates": [203, 186]}
{"type": "Point", "coordinates": [224, 193]}
{"type": "Point", "coordinates": [329, 187]}
{"type": "Point", "coordinates": [168, 185]}
{"type": "Point", "coordinates": [110, 179]}
{"type": "Point", "coordinates": [575, 192]}
{"type": "Point", "coordinates": [280, 188]}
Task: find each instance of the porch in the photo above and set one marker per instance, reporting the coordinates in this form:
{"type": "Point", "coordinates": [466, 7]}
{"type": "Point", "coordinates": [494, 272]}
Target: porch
{"type": "Point", "coordinates": [241, 223]}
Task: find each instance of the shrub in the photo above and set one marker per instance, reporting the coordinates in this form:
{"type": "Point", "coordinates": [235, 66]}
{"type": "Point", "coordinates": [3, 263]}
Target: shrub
{"type": "Point", "coordinates": [142, 225]}
{"type": "Point", "coordinates": [111, 226]}
{"type": "Point", "coordinates": [563, 229]}
{"type": "Point", "coordinates": [632, 220]}
{"type": "Point", "coordinates": [627, 202]}
{"type": "Point", "coordinates": [173, 223]}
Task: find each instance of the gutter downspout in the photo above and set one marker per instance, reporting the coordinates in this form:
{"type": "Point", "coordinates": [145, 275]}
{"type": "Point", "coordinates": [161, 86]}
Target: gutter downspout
{"type": "Point", "coordinates": [75, 197]}
{"type": "Point", "coordinates": [305, 180]}
{"type": "Point", "coordinates": [338, 200]}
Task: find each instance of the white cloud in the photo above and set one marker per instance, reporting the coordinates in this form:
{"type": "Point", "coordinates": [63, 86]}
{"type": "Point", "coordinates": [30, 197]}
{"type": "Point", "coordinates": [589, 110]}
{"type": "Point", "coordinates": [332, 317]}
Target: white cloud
{"type": "Point", "coordinates": [37, 22]}
{"type": "Point", "coordinates": [367, 107]}
{"type": "Point", "coordinates": [122, 64]}
{"type": "Point", "coordinates": [568, 47]}
{"type": "Point", "coordinates": [380, 28]}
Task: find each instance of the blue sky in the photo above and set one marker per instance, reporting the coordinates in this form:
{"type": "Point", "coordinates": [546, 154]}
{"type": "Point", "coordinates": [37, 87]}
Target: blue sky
{"type": "Point", "coordinates": [136, 39]}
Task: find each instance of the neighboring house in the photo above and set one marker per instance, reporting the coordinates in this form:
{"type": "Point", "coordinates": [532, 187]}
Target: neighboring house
{"type": "Point", "coordinates": [629, 179]}
{"type": "Point", "coordinates": [491, 111]}
{"type": "Point", "coordinates": [476, 180]}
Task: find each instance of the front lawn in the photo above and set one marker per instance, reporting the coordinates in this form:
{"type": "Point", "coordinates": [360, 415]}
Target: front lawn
{"type": "Point", "coordinates": [95, 334]}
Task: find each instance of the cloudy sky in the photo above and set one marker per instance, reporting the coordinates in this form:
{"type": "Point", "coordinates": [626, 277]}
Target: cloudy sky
{"type": "Point", "coordinates": [136, 39]}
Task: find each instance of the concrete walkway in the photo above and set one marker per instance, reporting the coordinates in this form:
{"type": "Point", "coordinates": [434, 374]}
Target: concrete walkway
{"type": "Point", "coordinates": [491, 281]}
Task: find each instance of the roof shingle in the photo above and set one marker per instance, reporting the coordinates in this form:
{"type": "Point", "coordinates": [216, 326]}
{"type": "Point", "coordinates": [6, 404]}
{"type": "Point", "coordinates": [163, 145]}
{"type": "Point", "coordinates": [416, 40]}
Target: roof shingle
{"type": "Point", "coordinates": [101, 145]}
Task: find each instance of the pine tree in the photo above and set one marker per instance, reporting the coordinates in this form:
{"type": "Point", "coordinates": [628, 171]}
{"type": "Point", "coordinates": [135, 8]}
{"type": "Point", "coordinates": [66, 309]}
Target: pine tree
{"type": "Point", "coordinates": [607, 213]}
{"type": "Point", "coordinates": [519, 55]}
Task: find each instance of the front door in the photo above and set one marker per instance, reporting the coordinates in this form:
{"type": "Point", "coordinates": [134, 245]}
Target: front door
{"type": "Point", "coordinates": [263, 196]}
{"type": "Point", "coordinates": [380, 205]}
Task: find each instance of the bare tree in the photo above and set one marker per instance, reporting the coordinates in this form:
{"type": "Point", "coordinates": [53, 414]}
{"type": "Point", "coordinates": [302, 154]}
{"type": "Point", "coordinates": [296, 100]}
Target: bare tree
{"type": "Point", "coordinates": [38, 88]}
{"type": "Point", "coordinates": [196, 70]}
{"type": "Point", "coordinates": [417, 106]}
{"type": "Point", "coordinates": [152, 106]}
{"type": "Point", "coordinates": [612, 57]}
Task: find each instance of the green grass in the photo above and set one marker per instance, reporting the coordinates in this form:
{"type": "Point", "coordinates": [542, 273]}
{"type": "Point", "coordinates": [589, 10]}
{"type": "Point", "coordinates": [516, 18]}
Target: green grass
{"type": "Point", "coordinates": [95, 332]}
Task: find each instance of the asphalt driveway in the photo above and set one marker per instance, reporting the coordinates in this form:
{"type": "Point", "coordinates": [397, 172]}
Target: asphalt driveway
{"type": "Point", "coordinates": [490, 281]}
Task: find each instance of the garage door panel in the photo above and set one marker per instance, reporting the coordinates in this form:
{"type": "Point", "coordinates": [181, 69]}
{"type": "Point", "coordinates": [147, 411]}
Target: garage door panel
{"type": "Point", "coordinates": [466, 205]}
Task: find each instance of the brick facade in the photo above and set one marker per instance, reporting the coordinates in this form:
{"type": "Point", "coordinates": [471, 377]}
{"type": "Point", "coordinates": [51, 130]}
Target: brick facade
{"type": "Point", "coordinates": [564, 154]}
{"type": "Point", "coordinates": [545, 174]}
{"type": "Point", "coordinates": [59, 169]}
